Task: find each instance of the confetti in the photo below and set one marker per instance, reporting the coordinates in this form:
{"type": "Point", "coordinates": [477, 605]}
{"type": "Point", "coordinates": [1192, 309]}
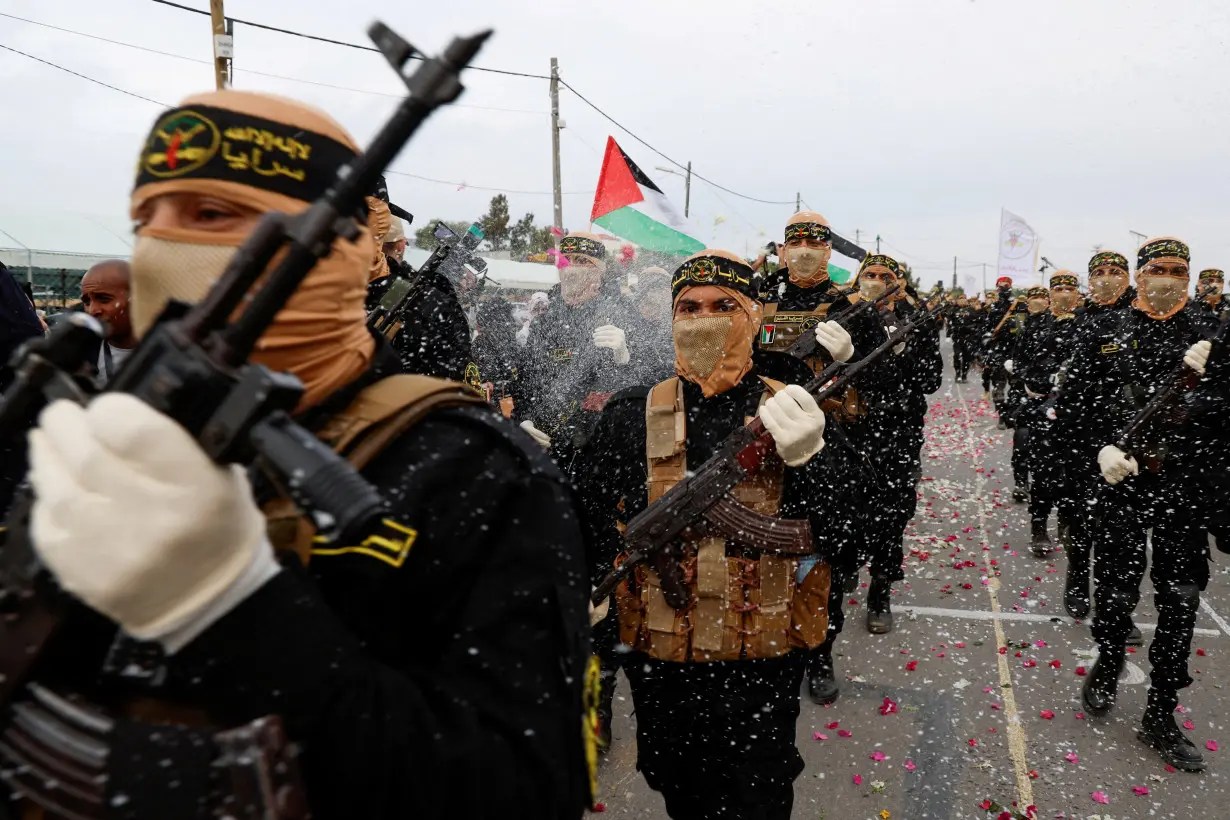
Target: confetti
{"type": "Point", "coordinates": [858, 780]}
{"type": "Point", "coordinates": [1100, 797]}
{"type": "Point", "coordinates": [1047, 714]}
{"type": "Point", "coordinates": [1140, 791]}
{"type": "Point", "coordinates": [1200, 652]}
{"type": "Point", "coordinates": [909, 765]}
{"type": "Point", "coordinates": [599, 808]}
{"type": "Point", "coordinates": [911, 666]}
{"type": "Point", "coordinates": [973, 742]}
{"type": "Point", "coordinates": [1211, 745]}
{"type": "Point", "coordinates": [832, 725]}
{"type": "Point", "coordinates": [1081, 671]}
{"type": "Point", "coordinates": [888, 707]}
{"type": "Point", "coordinates": [877, 756]}
{"type": "Point", "coordinates": [1055, 664]}
{"type": "Point", "coordinates": [1187, 724]}
{"type": "Point", "coordinates": [819, 736]}
{"type": "Point", "coordinates": [1071, 757]}
{"type": "Point", "coordinates": [844, 733]}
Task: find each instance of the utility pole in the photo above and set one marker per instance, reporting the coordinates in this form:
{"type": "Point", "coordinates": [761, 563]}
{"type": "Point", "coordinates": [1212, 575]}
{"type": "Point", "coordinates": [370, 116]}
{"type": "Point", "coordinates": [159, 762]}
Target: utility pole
{"type": "Point", "coordinates": [954, 273]}
{"type": "Point", "coordinates": [555, 127]}
{"type": "Point", "coordinates": [877, 243]}
{"type": "Point", "coordinates": [1139, 237]}
{"type": "Point", "coordinates": [687, 190]}
{"type": "Point", "coordinates": [224, 45]}
{"type": "Point", "coordinates": [984, 275]}
{"type": "Point", "coordinates": [798, 202]}
{"type": "Point", "coordinates": [857, 240]}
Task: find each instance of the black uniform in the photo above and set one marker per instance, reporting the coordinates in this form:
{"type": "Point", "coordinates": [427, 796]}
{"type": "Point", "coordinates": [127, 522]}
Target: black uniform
{"type": "Point", "coordinates": [496, 351]}
{"type": "Point", "coordinates": [18, 323]}
{"type": "Point", "coordinates": [434, 671]}
{"type": "Point", "coordinates": [892, 436]}
{"type": "Point", "coordinates": [965, 330]}
{"type": "Point", "coordinates": [1124, 357]}
{"type": "Point", "coordinates": [1041, 349]}
{"type": "Point", "coordinates": [435, 337]}
{"type": "Point", "coordinates": [565, 380]}
{"type": "Point", "coordinates": [1210, 409]}
{"type": "Point", "coordinates": [993, 349]}
{"type": "Point", "coordinates": [716, 739]}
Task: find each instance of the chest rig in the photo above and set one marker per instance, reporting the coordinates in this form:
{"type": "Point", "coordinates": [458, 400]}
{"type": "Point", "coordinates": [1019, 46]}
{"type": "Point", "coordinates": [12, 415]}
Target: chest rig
{"type": "Point", "coordinates": [747, 602]}
{"type": "Point", "coordinates": [780, 329]}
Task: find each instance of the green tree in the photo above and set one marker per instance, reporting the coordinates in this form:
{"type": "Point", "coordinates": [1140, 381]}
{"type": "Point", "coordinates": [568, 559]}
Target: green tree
{"type": "Point", "coordinates": [527, 238]}
{"type": "Point", "coordinates": [425, 237]}
{"type": "Point", "coordinates": [495, 224]}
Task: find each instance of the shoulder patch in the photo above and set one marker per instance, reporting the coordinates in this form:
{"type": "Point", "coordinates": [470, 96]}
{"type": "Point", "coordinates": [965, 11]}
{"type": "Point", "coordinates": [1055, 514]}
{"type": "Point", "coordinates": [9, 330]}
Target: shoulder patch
{"type": "Point", "coordinates": [391, 544]}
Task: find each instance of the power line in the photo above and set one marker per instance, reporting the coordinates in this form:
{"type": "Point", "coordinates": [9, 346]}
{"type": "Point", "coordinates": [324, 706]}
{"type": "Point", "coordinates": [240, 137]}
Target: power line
{"type": "Point", "coordinates": [254, 71]}
{"type": "Point", "coordinates": [480, 187]}
{"type": "Point", "coordinates": [674, 162]}
{"type": "Point", "coordinates": [82, 76]}
{"type": "Point", "coordinates": [343, 42]}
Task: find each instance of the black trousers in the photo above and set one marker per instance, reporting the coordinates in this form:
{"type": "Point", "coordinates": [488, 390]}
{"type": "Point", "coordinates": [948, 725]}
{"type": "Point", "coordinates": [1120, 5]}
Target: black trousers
{"type": "Point", "coordinates": [1020, 455]}
{"type": "Point", "coordinates": [717, 739]}
{"type": "Point", "coordinates": [962, 356]}
{"type": "Point", "coordinates": [1179, 569]}
{"type": "Point", "coordinates": [897, 456]}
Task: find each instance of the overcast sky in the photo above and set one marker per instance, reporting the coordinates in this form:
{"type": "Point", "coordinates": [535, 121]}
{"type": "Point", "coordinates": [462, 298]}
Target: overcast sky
{"type": "Point", "coordinates": [915, 120]}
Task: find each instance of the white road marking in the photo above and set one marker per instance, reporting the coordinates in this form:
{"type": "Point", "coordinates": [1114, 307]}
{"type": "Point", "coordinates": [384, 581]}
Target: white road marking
{"type": "Point", "coordinates": [1217, 619]}
{"type": "Point", "coordinates": [1036, 617]}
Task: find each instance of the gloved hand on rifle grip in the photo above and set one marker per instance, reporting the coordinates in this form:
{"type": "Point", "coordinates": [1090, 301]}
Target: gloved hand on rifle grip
{"type": "Point", "coordinates": [796, 423]}
{"type": "Point", "coordinates": [134, 519]}
{"type": "Point", "coordinates": [1115, 464]}
{"type": "Point", "coordinates": [836, 340]}
{"type": "Point", "coordinates": [1008, 366]}
{"type": "Point", "coordinates": [898, 349]}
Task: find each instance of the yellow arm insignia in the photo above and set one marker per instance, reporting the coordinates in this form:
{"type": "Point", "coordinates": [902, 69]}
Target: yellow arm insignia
{"type": "Point", "coordinates": [391, 544]}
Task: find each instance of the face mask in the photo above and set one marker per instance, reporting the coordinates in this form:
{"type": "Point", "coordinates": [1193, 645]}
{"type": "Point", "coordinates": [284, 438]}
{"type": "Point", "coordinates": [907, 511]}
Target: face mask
{"type": "Point", "coordinates": [1107, 289]}
{"type": "Point", "coordinates": [715, 352]}
{"type": "Point", "coordinates": [1065, 302]}
{"type": "Point", "coordinates": [579, 285]}
{"type": "Point", "coordinates": [1162, 296]}
{"type": "Point", "coordinates": [163, 269]}
{"type": "Point", "coordinates": [808, 266]}
{"type": "Point", "coordinates": [872, 289]}
{"type": "Point", "coordinates": [1038, 305]}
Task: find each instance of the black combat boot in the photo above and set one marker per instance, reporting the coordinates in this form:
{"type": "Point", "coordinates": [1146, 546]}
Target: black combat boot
{"type": "Point", "coordinates": [821, 679]}
{"type": "Point", "coordinates": [1039, 539]}
{"type": "Point", "coordinates": [1098, 693]}
{"type": "Point", "coordinates": [879, 606]}
{"type": "Point", "coordinates": [1134, 638]}
{"type": "Point", "coordinates": [1158, 730]}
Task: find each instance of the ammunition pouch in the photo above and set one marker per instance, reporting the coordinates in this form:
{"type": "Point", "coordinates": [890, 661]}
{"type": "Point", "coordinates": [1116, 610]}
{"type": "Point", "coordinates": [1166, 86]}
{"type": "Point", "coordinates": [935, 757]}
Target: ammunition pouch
{"type": "Point", "coordinates": [735, 578]}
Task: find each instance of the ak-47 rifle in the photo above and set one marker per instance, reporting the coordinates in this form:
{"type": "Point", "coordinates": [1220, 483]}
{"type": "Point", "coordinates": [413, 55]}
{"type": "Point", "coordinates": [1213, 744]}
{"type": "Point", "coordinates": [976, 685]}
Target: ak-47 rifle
{"type": "Point", "coordinates": [1007, 316]}
{"type": "Point", "coordinates": [1182, 379]}
{"type": "Point", "coordinates": [806, 345]}
{"type": "Point", "coordinates": [451, 254]}
{"type": "Point", "coordinates": [193, 367]}
{"type": "Point", "coordinates": [653, 532]}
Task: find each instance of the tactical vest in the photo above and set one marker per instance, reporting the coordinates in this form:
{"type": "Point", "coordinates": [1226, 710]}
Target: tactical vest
{"type": "Point", "coordinates": [780, 329]}
{"type": "Point", "coordinates": [746, 604]}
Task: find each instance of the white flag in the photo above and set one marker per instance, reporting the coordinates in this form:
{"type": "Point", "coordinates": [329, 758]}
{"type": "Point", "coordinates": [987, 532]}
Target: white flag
{"type": "Point", "coordinates": [1017, 245]}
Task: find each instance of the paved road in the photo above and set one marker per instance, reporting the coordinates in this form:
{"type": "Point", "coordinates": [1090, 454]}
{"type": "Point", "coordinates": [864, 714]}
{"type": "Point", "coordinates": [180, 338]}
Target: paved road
{"type": "Point", "coordinates": [991, 710]}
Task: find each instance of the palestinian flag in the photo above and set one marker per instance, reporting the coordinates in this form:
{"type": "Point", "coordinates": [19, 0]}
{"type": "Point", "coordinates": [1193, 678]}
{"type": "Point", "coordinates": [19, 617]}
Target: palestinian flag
{"type": "Point", "coordinates": [630, 206]}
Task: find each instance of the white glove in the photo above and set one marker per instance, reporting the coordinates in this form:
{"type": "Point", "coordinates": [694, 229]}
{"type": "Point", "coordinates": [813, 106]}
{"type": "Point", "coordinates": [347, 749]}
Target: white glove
{"type": "Point", "coordinates": [796, 423]}
{"type": "Point", "coordinates": [1008, 365]}
{"type": "Point", "coordinates": [597, 614]}
{"type": "Point", "coordinates": [898, 349]}
{"type": "Point", "coordinates": [536, 434]}
{"type": "Point", "coordinates": [836, 340]}
{"type": "Point", "coordinates": [1115, 464]}
{"type": "Point", "coordinates": [135, 520]}
{"type": "Point", "coordinates": [1197, 356]}
{"type": "Point", "coordinates": [611, 337]}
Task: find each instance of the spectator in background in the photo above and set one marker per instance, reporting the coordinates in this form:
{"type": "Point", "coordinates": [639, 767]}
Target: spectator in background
{"type": "Point", "coordinates": [652, 298]}
{"type": "Point", "coordinates": [104, 295]}
{"type": "Point", "coordinates": [395, 241]}
{"type": "Point", "coordinates": [538, 306]}
{"type": "Point", "coordinates": [495, 349]}
{"type": "Point", "coordinates": [18, 323]}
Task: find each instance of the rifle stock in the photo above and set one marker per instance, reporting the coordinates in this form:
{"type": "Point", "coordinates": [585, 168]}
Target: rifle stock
{"type": "Point", "coordinates": [807, 345]}
{"type": "Point", "coordinates": [652, 531]}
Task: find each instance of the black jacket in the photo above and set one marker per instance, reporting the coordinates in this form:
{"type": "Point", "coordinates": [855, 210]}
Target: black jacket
{"type": "Point", "coordinates": [1042, 348]}
{"type": "Point", "coordinates": [432, 671]}
{"type": "Point", "coordinates": [435, 339]}
{"type": "Point", "coordinates": [918, 371]}
{"type": "Point", "coordinates": [1123, 358]}
{"type": "Point", "coordinates": [564, 378]}
{"type": "Point", "coordinates": [18, 323]}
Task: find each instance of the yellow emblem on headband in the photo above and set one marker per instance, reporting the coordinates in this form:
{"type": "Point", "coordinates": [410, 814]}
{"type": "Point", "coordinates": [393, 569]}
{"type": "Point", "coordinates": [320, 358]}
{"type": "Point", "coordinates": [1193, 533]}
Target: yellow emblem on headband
{"type": "Point", "coordinates": [180, 143]}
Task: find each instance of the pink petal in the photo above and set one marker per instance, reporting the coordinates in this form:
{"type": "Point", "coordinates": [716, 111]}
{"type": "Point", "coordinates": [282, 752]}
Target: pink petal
{"type": "Point", "coordinates": [844, 733]}
{"type": "Point", "coordinates": [877, 756]}
{"type": "Point", "coordinates": [1071, 757]}
{"type": "Point", "coordinates": [1047, 714]}
{"type": "Point", "coordinates": [1187, 724]}
{"type": "Point", "coordinates": [858, 780]}
{"type": "Point", "coordinates": [1100, 797]}
{"type": "Point", "coordinates": [888, 707]}
{"type": "Point", "coordinates": [819, 736]}
{"type": "Point", "coordinates": [1080, 715]}
{"type": "Point", "coordinates": [1080, 670]}
{"type": "Point", "coordinates": [832, 725]}
{"type": "Point", "coordinates": [1211, 745]}
{"type": "Point", "coordinates": [909, 765]}
{"type": "Point", "coordinates": [1169, 769]}
{"type": "Point", "coordinates": [1140, 791]}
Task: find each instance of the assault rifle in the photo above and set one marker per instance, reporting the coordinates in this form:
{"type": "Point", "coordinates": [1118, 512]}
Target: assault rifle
{"type": "Point", "coordinates": [806, 345]}
{"type": "Point", "coordinates": [1182, 379]}
{"type": "Point", "coordinates": [654, 532]}
{"type": "Point", "coordinates": [193, 367]}
{"type": "Point", "coordinates": [451, 254]}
